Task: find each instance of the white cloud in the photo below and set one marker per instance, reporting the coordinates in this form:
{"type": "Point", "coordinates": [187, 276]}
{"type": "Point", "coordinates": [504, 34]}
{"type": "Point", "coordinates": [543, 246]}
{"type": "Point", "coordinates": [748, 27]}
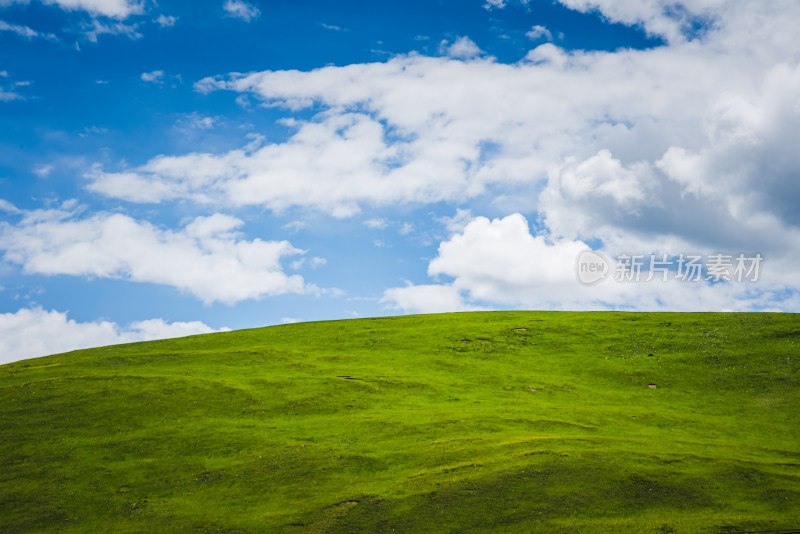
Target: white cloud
{"type": "Point", "coordinates": [333, 27]}
{"type": "Point", "coordinates": [8, 207]}
{"type": "Point", "coordinates": [502, 4]}
{"type": "Point", "coordinates": [92, 130]}
{"type": "Point", "coordinates": [43, 171]}
{"type": "Point", "coordinates": [499, 262]}
{"type": "Point", "coordinates": [197, 121]}
{"type": "Point", "coordinates": [166, 21]}
{"type": "Point", "coordinates": [25, 32]}
{"type": "Point", "coordinates": [328, 165]}
{"type": "Point", "coordinates": [537, 32]}
{"type": "Point", "coordinates": [457, 222]}
{"type": "Point", "coordinates": [426, 299]}
{"type": "Point", "coordinates": [119, 9]}
{"type": "Point", "coordinates": [534, 115]}
{"type": "Point", "coordinates": [241, 9]}
{"type": "Point", "coordinates": [156, 76]}
{"type": "Point", "coordinates": [33, 332]}
{"type": "Point", "coordinates": [690, 144]}
{"type": "Point", "coordinates": [314, 262]}
{"type": "Point", "coordinates": [295, 226]}
{"type": "Point", "coordinates": [206, 258]}
{"type": "Point", "coordinates": [110, 8]}
{"type": "Point", "coordinates": [95, 28]}
{"type": "Point", "coordinates": [406, 228]}
{"type": "Point", "coordinates": [290, 320]}
{"type": "Point", "coordinates": [462, 48]}
{"type": "Point", "coordinates": [378, 224]}
{"type": "Point", "coordinates": [670, 19]}
{"type": "Point", "coordinates": [8, 94]}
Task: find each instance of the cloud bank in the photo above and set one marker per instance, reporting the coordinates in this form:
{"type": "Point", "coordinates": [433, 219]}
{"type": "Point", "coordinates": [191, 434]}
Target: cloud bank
{"type": "Point", "coordinates": [206, 258]}
{"type": "Point", "coordinates": [33, 332]}
{"type": "Point", "coordinates": [699, 128]}
{"type": "Point", "coordinates": [502, 263]}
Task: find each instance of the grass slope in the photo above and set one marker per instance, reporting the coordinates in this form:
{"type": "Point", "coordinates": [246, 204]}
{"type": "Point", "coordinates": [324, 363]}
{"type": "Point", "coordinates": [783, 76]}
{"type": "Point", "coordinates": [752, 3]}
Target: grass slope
{"type": "Point", "coordinates": [503, 422]}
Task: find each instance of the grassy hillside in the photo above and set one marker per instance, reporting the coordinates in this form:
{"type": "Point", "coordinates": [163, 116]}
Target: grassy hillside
{"type": "Point", "coordinates": [477, 422]}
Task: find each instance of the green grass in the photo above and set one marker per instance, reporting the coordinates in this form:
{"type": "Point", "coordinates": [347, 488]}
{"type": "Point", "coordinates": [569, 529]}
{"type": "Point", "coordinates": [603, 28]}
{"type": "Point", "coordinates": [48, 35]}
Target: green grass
{"type": "Point", "coordinates": [475, 422]}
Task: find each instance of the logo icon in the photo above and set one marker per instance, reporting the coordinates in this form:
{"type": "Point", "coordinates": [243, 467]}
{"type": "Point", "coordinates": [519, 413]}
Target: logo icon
{"type": "Point", "coordinates": [591, 267]}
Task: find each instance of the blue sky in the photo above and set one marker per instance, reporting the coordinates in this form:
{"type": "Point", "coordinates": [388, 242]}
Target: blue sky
{"type": "Point", "coordinates": [182, 167]}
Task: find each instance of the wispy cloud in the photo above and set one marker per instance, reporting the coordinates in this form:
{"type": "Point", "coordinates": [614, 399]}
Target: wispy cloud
{"type": "Point", "coordinates": [8, 88]}
{"type": "Point", "coordinates": [156, 76]}
{"type": "Point", "coordinates": [43, 171]}
{"type": "Point", "coordinates": [7, 96]}
{"type": "Point", "coordinates": [166, 21]}
{"type": "Point", "coordinates": [8, 207]}
{"type": "Point", "coordinates": [94, 28]}
{"type": "Point", "coordinates": [196, 121]}
{"type": "Point", "coordinates": [333, 27]}
{"type": "Point", "coordinates": [406, 228]}
{"type": "Point", "coordinates": [379, 224]}
{"type": "Point", "coordinates": [295, 226]}
{"type": "Point", "coordinates": [25, 31]}
{"type": "Point", "coordinates": [241, 9]}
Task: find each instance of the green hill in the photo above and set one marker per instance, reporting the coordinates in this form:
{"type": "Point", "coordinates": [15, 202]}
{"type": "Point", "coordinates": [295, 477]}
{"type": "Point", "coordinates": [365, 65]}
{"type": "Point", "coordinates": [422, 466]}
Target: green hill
{"type": "Point", "coordinates": [473, 422]}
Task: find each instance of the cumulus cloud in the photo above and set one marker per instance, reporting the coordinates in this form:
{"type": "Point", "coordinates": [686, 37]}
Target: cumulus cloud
{"type": "Point", "coordinates": [685, 146]}
{"type": "Point", "coordinates": [462, 48]}
{"type": "Point", "coordinates": [537, 32]}
{"type": "Point", "coordinates": [241, 9]}
{"type": "Point", "coordinates": [670, 19]}
{"type": "Point", "coordinates": [445, 129]}
{"type": "Point", "coordinates": [330, 165]}
{"type": "Point", "coordinates": [33, 332]}
{"type": "Point", "coordinates": [166, 21]}
{"type": "Point", "coordinates": [206, 258]}
{"type": "Point", "coordinates": [499, 263]}
{"type": "Point", "coordinates": [156, 76]}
